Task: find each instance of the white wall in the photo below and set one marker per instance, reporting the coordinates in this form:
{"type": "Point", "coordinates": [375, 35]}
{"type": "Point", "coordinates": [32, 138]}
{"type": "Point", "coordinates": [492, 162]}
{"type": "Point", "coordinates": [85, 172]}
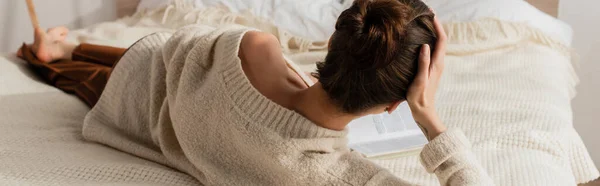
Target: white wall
{"type": "Point", "coordinates": [584, 16]}
{"type": "Point", "coordinates": [15, 27]}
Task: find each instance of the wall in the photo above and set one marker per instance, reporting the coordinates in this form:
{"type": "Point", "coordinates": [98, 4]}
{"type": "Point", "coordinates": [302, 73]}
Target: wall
{"type": "Point", "coordinates": [584, 17]}
{"type": "Point", "coordinates": [15, 25]}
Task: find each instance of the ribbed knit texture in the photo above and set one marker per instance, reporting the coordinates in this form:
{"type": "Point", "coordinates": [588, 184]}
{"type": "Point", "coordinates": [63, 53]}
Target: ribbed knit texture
{"type": "Point", "coordinates": [186, 103]}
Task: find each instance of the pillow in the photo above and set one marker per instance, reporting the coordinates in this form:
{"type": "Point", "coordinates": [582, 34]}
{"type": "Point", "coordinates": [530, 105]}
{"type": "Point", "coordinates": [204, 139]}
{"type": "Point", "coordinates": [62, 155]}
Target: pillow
{"type": "Point", "coordinates": [507, 10]}
{"type": "Point", "coordinates": [311, 19]}
{"type": "Point", "coordinates": [315, 19]}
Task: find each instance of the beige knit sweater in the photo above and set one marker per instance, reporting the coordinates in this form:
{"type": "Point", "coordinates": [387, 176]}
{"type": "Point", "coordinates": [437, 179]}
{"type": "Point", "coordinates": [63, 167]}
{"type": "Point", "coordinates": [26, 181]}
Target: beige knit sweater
{"type": "Point", "coordinates": [184, 101]}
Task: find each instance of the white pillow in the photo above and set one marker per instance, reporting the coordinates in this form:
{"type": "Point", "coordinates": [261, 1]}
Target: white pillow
{"type": "Point", "coordinates": [315, 19]}
{"type": "Point", "coordinates": [312, 19]}
{"type": "Point", "coordinates": [507, 10]}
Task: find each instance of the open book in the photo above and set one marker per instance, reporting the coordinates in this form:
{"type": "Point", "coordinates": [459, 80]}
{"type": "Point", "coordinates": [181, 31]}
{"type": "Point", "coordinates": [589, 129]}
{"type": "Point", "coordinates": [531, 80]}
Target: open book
{"type": "Point", "coordinates": [385, 134]}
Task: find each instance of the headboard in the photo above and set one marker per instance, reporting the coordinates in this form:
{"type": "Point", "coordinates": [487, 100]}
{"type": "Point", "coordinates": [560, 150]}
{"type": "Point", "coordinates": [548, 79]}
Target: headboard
{"type": "Point", "coordinates": [127, 7]}
{"type": "Point", "coordinates": [548, 6]}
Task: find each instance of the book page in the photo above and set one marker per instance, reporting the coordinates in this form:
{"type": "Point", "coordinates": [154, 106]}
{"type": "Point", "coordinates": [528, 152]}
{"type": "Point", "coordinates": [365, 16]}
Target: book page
{"type": "Point", "coordinates": [385, 133]}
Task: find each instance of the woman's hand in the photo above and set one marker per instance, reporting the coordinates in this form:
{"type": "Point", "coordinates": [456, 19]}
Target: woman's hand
{"type": "Point", "coordinates": [421, 94]}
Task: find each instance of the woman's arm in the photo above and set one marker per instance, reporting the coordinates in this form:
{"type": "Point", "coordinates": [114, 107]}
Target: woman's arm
{"type": "Point", "coordinates": [448, 153]}
{"type": "Point", "coordinates": [449, 156]}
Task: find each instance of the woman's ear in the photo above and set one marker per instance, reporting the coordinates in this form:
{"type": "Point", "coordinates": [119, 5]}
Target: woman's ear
{"type": "Point", "coordinates": [390, 108]}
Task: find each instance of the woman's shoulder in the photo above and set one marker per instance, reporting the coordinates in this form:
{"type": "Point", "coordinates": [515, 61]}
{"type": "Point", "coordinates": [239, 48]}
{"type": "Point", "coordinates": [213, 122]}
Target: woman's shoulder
{"type": "Point", "coordinates": [260, 47]}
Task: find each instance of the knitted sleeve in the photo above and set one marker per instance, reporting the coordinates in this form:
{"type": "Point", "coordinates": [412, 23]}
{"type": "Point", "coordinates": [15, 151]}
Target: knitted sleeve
{"type": "Point", "coordinates": [449, 156]}
{"type": "Point", "coordinates": [349, 168]}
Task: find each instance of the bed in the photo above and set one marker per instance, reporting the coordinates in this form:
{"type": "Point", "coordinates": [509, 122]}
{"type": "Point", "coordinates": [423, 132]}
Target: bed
{"type": "Point", "coordinates": [41, 141]}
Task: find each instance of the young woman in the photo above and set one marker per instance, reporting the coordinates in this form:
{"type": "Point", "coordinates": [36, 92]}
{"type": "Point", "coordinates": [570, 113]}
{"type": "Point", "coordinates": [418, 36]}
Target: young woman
{"type": "Point", "coordinates": [383, 52]}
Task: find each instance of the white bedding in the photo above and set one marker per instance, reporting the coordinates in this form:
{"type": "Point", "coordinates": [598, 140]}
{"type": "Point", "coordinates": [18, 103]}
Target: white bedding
{"type": "Point", "coordinates": [36, 119]}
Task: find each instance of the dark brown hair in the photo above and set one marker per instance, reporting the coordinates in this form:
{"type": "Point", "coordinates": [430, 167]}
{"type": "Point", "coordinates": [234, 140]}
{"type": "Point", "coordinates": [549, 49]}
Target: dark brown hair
{"type": "Point", "coordinates": [374, 51]}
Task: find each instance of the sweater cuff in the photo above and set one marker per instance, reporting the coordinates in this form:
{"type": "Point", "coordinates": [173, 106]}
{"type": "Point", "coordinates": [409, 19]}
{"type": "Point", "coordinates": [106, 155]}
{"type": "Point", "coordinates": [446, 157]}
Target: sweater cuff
{"type": "Point", "coordinates": [442, 148]}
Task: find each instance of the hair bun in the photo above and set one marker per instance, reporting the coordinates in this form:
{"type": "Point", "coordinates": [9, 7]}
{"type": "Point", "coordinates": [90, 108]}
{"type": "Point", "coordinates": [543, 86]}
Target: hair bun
{"type": "Point", "coordinates": [383, 15]}
{"type": "Point", "coordinates": [373, 55]}
{"type": "Point", "coordinates": [376, 24]}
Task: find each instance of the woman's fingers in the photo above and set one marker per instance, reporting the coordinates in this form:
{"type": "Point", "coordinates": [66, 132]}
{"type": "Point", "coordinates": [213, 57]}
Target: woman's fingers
{"type": "Point", "coordinates": [437, 63]}
{"type": "Point", "coordinates": [424, 65]}
{"type": "Point", "coordinates": [440, 47]}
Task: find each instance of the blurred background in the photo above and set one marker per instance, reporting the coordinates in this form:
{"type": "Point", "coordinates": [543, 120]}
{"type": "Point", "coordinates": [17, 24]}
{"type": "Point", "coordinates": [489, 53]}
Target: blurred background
{"type": "Point", "coordinates": [582, 15]}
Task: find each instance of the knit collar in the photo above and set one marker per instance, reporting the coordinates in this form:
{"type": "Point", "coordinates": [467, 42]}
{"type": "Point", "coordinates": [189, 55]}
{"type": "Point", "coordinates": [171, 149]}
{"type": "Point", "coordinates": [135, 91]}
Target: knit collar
{"type": "Point", "coordinates": [257, 108]}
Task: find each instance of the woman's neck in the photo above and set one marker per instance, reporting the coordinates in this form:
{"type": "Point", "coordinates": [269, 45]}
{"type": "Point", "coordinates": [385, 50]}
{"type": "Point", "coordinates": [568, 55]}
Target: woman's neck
{"type": "Point", "coordinates": [314, 104]}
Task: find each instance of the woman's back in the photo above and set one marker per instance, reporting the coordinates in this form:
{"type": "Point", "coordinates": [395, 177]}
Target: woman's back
{"type": "Point", "coordinates": [267, 70]}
